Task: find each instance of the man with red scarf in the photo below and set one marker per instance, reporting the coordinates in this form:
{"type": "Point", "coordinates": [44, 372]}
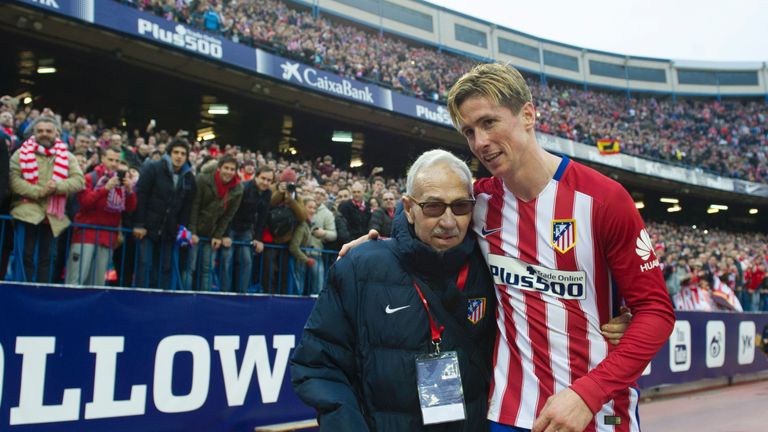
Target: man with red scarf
{"type": "Point", "coordinates": [43, 173]}
{"type": "Point", "coordinates": [107, 194]}
{"type": "Point", "coordinates": [218, 196]}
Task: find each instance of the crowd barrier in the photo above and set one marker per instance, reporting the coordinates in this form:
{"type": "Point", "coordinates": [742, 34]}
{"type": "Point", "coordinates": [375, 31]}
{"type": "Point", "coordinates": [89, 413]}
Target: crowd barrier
{"type": "Point", "coordinates": [93, 359]}
{"type": "Point", "coordinates": [237, 268]}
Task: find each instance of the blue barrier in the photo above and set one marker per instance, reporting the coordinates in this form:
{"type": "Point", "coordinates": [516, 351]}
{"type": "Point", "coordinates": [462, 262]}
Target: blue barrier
{"type": "Point", "coordinates": [75, 259]}
{"type": "Point", "coordinates": [95, 359]}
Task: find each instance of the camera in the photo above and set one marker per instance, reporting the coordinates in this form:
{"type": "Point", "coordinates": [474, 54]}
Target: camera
{"type": "Point", "coordinates": [291, 187]}
{"type": "Point", "coordinates": [121, 174]}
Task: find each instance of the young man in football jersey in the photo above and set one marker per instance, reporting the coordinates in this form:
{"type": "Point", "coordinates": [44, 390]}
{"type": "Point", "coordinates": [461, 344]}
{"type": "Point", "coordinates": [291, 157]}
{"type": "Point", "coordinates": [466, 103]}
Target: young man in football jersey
{"type": "Point", "coordinates": [558, 237]}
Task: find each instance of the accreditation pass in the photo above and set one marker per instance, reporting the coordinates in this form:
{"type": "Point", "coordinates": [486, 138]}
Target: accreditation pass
{"type": "Point", "coordinates": [439, 383]}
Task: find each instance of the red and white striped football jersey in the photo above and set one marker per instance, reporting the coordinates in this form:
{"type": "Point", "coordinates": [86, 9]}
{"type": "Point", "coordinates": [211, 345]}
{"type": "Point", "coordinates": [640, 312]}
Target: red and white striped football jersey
{"type": "Point", "coordinates": [554, 260]}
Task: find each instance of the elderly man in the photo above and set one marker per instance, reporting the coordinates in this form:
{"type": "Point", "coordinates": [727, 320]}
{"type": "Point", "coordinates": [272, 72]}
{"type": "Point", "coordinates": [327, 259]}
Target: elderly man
{"type": "Point", "coordinates": [390, 306]}
{"type": "Point", "coordinates": [43, 172]}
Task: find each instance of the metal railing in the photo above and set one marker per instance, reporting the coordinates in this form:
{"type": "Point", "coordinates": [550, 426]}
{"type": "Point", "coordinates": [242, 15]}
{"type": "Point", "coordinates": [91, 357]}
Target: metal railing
{"type": "Point", "coordinates": [93, 255]}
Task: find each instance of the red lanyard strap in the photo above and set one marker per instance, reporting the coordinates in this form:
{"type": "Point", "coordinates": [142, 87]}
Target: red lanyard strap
{"type": "Point", "coordinates": [436, 331]}
{"type": "Point", "coordinates": [461, 279]}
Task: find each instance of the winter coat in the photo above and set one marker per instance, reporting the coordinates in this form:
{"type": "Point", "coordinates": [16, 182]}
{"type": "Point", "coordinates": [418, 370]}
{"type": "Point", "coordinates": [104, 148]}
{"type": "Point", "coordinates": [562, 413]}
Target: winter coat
{"type": "Point", "coordinates": [381, 222]}
{"type": "Point", "coordinates": [303, 238]}
{"type": "Point", "coordinates": [28, 204]}
{"type": "Point", "coordinates": [253, 210]}
{"type": "Point", "coordinates": [324, 219]}
{"type": "Point", "coordinates": [355, 362]}
{"type": "Point", "coordinates": [93, 211]}
{"type": "Point", "coordinates": [285, 198]}
{"type": "Point", "coordinates": [357, 221]}
{"type": "Point", "coordinates": [210, 214]}
{"type": "Point", "coordinates": [163, 206]}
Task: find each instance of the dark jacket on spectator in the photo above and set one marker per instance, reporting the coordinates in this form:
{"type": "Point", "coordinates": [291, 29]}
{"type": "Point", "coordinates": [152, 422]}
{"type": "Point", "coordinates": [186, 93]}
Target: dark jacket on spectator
{"type": "Point", "coordinates": [253, 211]}
{"type": "Point", "coordinates": [163, 206]}
{"type": "Point", "coordinates": [356, 364]}
{"type": "Point", "coordinates": [211, 215]}
{"type": "Point", "coordinates": [357, 221]}
{"type": "Point", "coordinates": [381, 222]}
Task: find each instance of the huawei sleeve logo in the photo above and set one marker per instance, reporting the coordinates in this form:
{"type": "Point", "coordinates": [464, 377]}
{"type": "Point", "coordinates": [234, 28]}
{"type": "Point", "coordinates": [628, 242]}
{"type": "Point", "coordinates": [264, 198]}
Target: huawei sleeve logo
{"type": "Point", "coordinates": [644, 248]}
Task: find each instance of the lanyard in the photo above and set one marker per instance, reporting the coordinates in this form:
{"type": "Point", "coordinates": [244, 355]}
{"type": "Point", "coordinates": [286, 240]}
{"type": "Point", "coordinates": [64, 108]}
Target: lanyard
{"type": "Point", "coordinates": [436, 331]}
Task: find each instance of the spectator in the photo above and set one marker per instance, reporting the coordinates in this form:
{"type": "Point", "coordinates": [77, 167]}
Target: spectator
{"type": "Point", "coordinates": [6, 128]}
{"type": "Point", "coordinates": [355, 212]}
{"type": "Point", "coordinates": [754, 281]}
{"type": "Point", "coordinates": [165, 191]}
{"type": "Point", "coordinates": [323, 225]}
{"type": "Point", "coordinates": [6, 142]}
{"type": "Point", "coordinates": [43, 173]}
{"type": "Point", "coordinates": [326, 166]}
{"type": "Point", "coordinates": [308, 268]}
{"type": "Point", "coordinates": [381, 218]}
{"type": "Point", "coordinates": [247, 227]}
{"type": "Point", "coordinates": [341, 196]}
{"type": "Point", "coordinates": [217, 197]}
{"type": "Point", "coordinates": [286, 213]}
{"type": "Point", "coordinates": [108, 192]}
{"type": "Point", "coordinates": [248, 171]}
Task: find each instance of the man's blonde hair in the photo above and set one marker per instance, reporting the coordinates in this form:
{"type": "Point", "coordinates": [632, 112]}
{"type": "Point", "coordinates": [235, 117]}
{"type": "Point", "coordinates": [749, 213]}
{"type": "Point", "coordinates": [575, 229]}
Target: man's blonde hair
{"type": "Point", "coordinates": [499, 83]}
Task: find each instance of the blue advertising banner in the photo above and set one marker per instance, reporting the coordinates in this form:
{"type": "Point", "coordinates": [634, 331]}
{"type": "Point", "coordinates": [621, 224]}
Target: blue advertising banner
{"type": "Point", "coordinates": [708, 345]}
{"type": "Point", "coordinates": [421, 109]}
{"type": "Point", "coordinates": [80, 9]}
{"type": "Point", "coordinates": [95, 359]}
{"type": "Point", "coordinates": [87, 359]}
{"type": "Point", "coordinates": [149, 27]}
{"type": "Point", "coordinates": [308, 77]}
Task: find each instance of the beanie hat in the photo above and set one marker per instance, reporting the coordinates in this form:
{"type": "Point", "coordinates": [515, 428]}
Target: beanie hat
{"type": "Point", "coordinates": [288, 175]}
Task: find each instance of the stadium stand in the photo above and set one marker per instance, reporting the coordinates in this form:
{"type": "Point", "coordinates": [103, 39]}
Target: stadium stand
{"type": "Point", "coordinates": [702, 254]}
{"type": "Point", "coordinates": [726, 138]}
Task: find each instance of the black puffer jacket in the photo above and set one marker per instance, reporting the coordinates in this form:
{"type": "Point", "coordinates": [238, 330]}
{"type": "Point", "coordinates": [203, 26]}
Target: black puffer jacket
{"type": "Point", "coordinates": [253, 211]}
{"type": "Point", "coordinates": [161, 206]}
{"type": "Point", "coordinates": [356, 362]}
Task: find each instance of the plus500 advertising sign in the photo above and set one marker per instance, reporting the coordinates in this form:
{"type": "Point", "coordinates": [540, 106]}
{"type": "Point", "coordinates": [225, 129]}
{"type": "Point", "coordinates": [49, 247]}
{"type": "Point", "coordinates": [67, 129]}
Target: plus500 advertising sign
{"type": "Point", "coordinates": [76, 359]}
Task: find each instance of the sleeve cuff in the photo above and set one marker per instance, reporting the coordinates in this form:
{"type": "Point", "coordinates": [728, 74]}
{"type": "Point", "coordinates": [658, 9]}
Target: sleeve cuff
{"type": "Point", "coordinates": [590, 392]}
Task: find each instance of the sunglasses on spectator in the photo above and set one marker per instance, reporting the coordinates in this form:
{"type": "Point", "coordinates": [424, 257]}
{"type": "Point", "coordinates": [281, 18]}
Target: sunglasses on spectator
{"type": "Point", "coordinates": [437, 208]}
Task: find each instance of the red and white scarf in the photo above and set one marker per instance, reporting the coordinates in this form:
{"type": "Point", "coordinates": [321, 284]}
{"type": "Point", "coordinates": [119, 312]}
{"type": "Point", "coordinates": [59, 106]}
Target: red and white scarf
{"type": "Point", "coordinates": [30, 170]}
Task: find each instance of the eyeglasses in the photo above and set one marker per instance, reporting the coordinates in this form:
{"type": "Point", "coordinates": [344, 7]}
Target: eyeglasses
{"type": "Point", "coordinates": [437, 208]}
{"type": "Point", "coordinates": [388, 199]}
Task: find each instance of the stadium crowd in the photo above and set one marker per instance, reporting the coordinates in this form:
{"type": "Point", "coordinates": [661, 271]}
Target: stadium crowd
{"type": "Point", "coordinates": [724, 138]}
{"type": "Point", "coordinates": [699, 262]}
{"type": "Point", "coordinates": [298, 208]}
{"type": "Point", "coordinates": [286, 213]}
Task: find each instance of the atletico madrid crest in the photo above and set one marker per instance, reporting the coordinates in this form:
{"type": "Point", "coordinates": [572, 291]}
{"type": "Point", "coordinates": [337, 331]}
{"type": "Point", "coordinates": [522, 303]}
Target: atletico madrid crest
{"type": "Point", "coordinates": [476, 310]}
{"type": "Point", "coordinates": [563, 234]}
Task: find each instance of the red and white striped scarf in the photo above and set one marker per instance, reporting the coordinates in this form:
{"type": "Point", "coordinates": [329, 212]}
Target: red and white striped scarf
{"type": "Point", "coordinates": [30, 170]}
